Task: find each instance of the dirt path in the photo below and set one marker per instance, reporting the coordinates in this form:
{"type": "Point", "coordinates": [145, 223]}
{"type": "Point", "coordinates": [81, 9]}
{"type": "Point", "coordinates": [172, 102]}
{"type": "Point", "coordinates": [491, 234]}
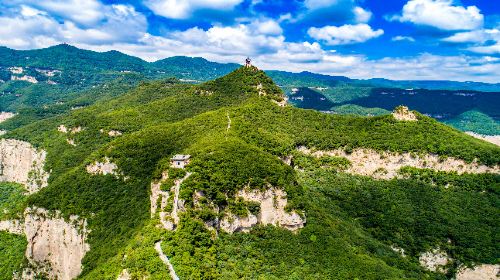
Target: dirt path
{"type": "Point", "coordinates": [165, 260]}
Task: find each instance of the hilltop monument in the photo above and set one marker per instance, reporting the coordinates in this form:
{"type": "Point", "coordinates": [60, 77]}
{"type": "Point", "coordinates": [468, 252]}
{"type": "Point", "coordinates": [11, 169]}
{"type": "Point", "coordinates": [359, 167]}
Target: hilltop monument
{"type": "Point", "coordinates": [248, 62]}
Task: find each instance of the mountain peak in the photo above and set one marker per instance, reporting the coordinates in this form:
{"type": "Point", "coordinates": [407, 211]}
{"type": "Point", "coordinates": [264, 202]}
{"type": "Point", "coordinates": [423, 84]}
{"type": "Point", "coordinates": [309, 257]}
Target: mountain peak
{"type": "Point", "coordinates": [246, 80]}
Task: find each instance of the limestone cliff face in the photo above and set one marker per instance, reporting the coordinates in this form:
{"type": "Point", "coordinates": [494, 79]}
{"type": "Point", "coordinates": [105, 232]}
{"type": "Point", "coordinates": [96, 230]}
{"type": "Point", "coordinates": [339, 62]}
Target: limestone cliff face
{"type": "Point", "coordinates": [5, 116]}
{"type": "Point", "coordinates": [481, 272]}
{"type": "Point", "coordinates": [20, 162]}
{"type": "Point", "coordinates": [402, 113]}
{"type": "Point", "coordinates": [272, 212]}
{"type": "Point", "coordinates": [55, 246]}
{"type": "Point", "coordinates": [434, 260]}
{"type": "Point", "coordinates": [103, 168]}
{"type": "Point", "coordinates": [385, 165]}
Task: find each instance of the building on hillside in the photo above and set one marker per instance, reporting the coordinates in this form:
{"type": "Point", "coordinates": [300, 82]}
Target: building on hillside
{"type": "Point", "coordinates": [180, 161]}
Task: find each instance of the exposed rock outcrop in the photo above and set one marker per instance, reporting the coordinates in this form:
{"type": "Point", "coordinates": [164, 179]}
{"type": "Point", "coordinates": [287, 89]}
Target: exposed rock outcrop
{"type": "Point", "coordinates": [232, 223]}
{"type": "Point", "coordinates": [272, 212]}
{"type": "Point", "coordinates": [26, 78]}
{"type": "Point", "coordinates": [73, 130]}
{"type": "Point", "coordinates": [21, 163]}
{"type": "Point", "coordinates": [114, 133]}
{"type": "Point", "coordinates": [482, 272]}
{"type": "Point", "coordinates": [12, 226]}
{"type": "Point", "coordinates": [2, 132]}
{"type": "Point", "coordinates": [402, 113]}
{"type": "Point", "coordinates": [494, 139]}
{"type": "Point", "coordinates": [55, 243]}
{"type": "Point", "coordinates": [434, 260]}
{"type": "Point", "coordinates": [169, 220]}
{"type": "Point", "coordinates": [385, 165]}
{"type": "Point", "coordinates": [103, 168]}
{"type": "Point", "coordinates": [124, 275]}
{"type": "Point", "coordinates": [5, 116]}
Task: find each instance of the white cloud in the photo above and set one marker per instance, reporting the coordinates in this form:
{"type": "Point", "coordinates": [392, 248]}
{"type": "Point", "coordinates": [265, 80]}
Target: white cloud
{"type": "Point", "coordinates": [84, 12]}
{"type": "Point", "coordinates": [32, 28]}
{"type": "Point", "coordinates": [491, 49]}
{"type": "Point", "coordinates": [476, 36]}
{"type": "Point", "coordinates": [403, 38]}
{"type": "Point", "coordinates": [183, 9]}
{"type": "Point", "coordinates": [316, 4]}
{"type": "Point", "coordinates": [484, 41]}
{"type": "Point", "coordinates": [362, 15]}
{"type": "Point", "coordinates": [441, 14]}
{"type": "Point", "coordinates": [346, 34]}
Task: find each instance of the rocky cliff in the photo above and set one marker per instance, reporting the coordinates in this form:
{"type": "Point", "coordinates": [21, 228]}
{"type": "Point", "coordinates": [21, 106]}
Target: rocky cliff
{"type": "Point", "coordinates": [55, 246]}
{"type": "Point", "coordinates": [20, 162]}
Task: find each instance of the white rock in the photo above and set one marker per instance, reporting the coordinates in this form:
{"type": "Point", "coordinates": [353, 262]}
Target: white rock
{"type": "Point", "coordinates": [5, 116]}
{"type": "Point", "coordinates": [402, 113]}
{"type": "Point", "coordinates": [12, 226]}
{"type": "Point", "coordinates": [385, 165]}
{"type": "Point", "coordinates": [55, 243]}
{"type": "Point", "coordinates": [22, 163]}
{"type": "Point", "coordinates": [272, 211]}
{"type": "Point", "coordinates": [434, 260]}
{"type": "Point", "coordinates": [103, 168]}
{"type": "Point", "coordinates": [482, 272]}
{"type": "Point", "coordinates": [232, 223]}
{"type": "Point", "coordinates": [494, 139]}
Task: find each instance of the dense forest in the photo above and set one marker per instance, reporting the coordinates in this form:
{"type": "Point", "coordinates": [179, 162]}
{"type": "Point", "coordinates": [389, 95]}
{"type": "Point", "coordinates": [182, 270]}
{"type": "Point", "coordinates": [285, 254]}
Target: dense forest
{"type": "Point", "coordinates": [237, 135]}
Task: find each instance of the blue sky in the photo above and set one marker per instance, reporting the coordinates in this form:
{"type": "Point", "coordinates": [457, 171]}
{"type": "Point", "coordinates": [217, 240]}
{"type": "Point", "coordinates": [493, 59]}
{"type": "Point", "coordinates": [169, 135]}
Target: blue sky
{"type": "Point", "coordinates": [395, 39]}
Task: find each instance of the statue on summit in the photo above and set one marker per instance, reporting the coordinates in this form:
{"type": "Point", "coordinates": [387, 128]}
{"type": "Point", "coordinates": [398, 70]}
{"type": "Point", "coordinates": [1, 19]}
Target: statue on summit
{"type": "Point", "coordinates": [248, 62]}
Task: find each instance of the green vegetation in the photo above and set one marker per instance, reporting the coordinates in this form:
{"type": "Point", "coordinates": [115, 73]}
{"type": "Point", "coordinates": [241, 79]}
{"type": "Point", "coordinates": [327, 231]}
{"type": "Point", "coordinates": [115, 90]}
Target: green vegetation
{"type": "Point", "coordinates": [351, 109]}
{"type": "Point", "coordinates": [12, 200]}
{"type": "Point", "coordinates": [476, 122]}
{"type": "Point", "coordinates": [12, 248]}
{"type": "Point", "coordinates": [238, 137]}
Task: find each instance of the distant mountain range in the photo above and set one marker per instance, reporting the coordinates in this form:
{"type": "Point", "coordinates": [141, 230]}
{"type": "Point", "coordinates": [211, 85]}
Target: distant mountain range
{"type": "Point", "coordinates": [48, 81]}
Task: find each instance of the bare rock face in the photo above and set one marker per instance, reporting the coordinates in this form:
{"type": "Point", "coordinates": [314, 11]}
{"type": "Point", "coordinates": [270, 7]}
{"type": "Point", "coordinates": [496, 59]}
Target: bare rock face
{"type": "Point", "coordinates": [402, 113]}
{"type": "Point", "coordinates": [385, 165]}
{"type": "Point", "coordinates": [434, 260]}
{"type": "Point", "coordinates": [5, 116]}
{"type": "Point", "coordinates": [73, 130]}
{"type": "Point", "coordinates": [481, 272]}
{"type": "Point", "coordinates": [494, 139]}
{"type": "Point", "coordinates": [12, 226]}
{"type": "Point", "coordinates": [21, 163]}
{"type": "Point", "coordinates": [232, 223]}
{"type": "Point", "coordinates": [124, 275]}
{"type": "Point", "coordinates": [272, 212]}
{"type": "Point", "coordinates": [103, 168]}
{"type": "Point", "coordinates": [169, 220]}
{"type": "Point", "coordinates": [55, 246]}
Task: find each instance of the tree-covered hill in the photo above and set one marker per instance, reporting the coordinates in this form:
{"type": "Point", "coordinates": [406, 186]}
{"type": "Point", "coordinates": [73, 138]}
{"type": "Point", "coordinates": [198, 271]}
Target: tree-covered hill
{"type": "Point", "coordinates": [67, 77]}
{"type": "Point", "coordinates": [237, 134]}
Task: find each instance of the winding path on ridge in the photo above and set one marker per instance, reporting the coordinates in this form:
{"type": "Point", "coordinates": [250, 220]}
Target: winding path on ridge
{"type": "Point", "coordinates": [165, 260]}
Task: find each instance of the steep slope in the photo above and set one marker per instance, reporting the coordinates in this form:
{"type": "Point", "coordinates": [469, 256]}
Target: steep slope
{"type": "Point", "coordinates": [290, 214]}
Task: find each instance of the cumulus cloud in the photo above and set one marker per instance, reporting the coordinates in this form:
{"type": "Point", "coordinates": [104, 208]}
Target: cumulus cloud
{"type": "Point", "coordinates": [441, 14]}
{"type": "Point", "coordinates": [183, 9]}
{"type": "Point", "coordinates": [403, 38]}
{"type": "Point", "coordinates": [83, 12]}
{"type": "Point", "coordinates": [484, 41]}
{"type": "Point", "coordinates": [491, 49]}
{"type": "Point", "coordinates": [362, 15]}
{"type": "Point", "coordinates": [346, 34]}
{"type": "Point", "coordinates": [476, 36]}
{"type": "Point", "coordinates": [27, 27]}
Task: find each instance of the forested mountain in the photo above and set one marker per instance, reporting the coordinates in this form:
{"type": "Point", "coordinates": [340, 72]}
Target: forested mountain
{"type": "Point", "coordinates": [47, 82]}
{"type": "Point", "coordinates": [270, 191]}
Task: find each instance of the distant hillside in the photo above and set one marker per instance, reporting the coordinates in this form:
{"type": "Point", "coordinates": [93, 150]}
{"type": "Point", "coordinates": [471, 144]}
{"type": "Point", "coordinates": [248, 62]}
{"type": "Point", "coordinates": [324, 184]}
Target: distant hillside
{"type": "Point", "coordinates": [47, 82]}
